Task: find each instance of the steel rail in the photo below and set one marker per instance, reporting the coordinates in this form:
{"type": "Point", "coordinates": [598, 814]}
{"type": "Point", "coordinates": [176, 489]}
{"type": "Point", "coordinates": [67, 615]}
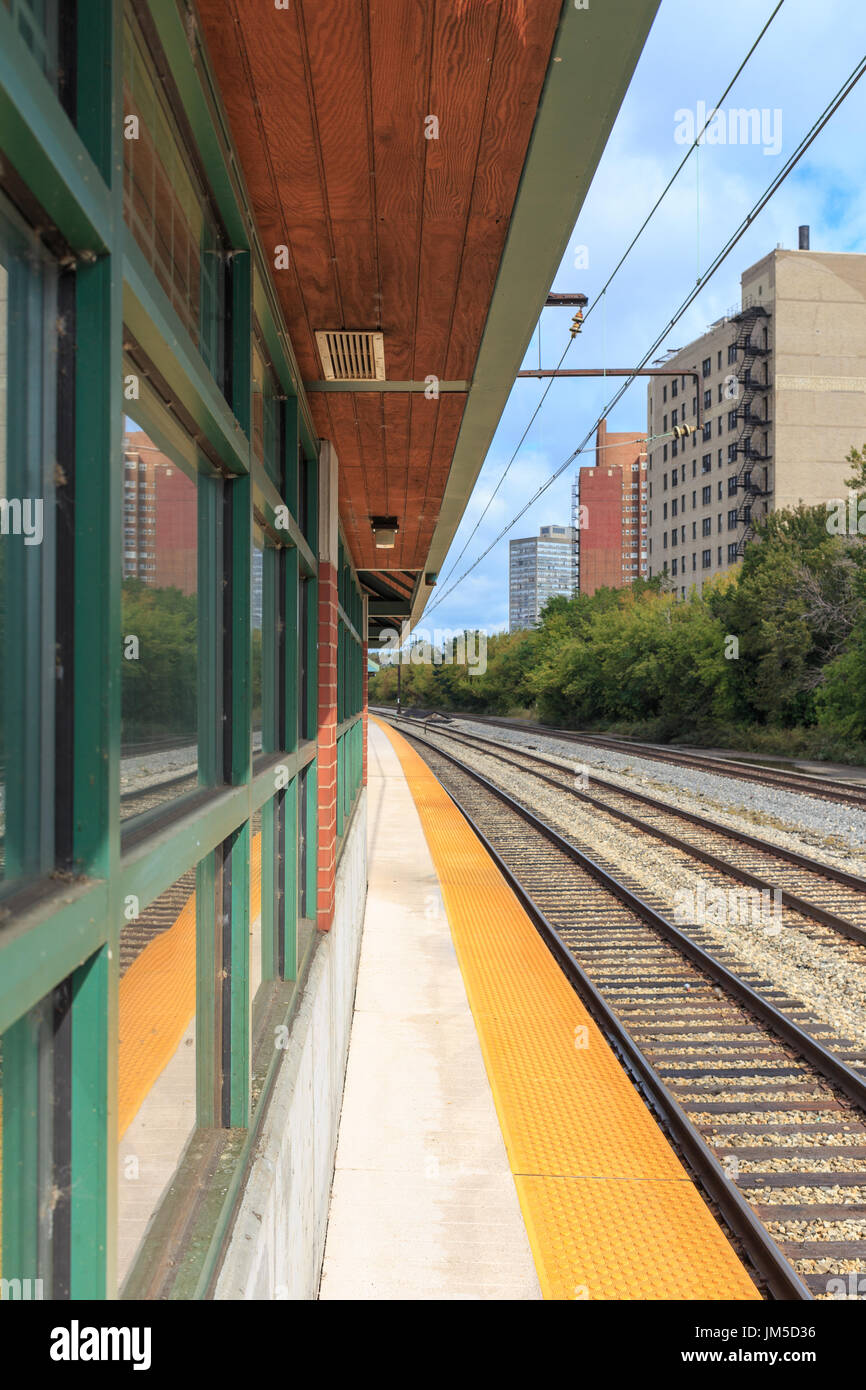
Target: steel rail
{"type": "Point", "coordinates": [806, 783]}
{"type": "Point", "coordinates": [802, 905]}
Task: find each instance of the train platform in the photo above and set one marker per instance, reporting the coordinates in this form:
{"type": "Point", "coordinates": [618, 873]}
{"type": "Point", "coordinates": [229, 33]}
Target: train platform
{"type": "Point", "coordinates": [490, 1144]}
{"type": "Point", "coordinates": [423, 1203]}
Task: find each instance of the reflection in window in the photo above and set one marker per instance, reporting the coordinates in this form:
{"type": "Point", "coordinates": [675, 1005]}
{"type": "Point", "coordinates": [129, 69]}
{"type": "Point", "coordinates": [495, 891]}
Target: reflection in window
{"type": "Point", "coordinates": [256, 585]}
{"type": "Point", "coordinates": [306, 861]}
{"type": "Point", "coordinates": [304, 721]}
{"type": "Point", "coordinates": [255, 929]}
{"type": "Point", "coordinates": [28, 373]}
{"type": "Point", "coordinates": [267, 443]}
{"type": "Point", "coordinates": [159, 691]}
{"type": "Point", "coordinates": [38, 25]}
{"type": "Point", "coordinates": [304, 483]}
{"type": "Point", "coordinates": [156, 1080]}
{"type": "Point", "coordinates": [35, 1132]}
{"type": "Point", "coordinates": [167, 209]}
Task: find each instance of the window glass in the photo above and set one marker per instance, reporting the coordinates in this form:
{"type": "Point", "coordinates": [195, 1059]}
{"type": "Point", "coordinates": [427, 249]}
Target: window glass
{"type": "Point", "coordinates": [306, 860]}
{"type": "Point", "coordinates": [156, 1078]}
{"type": "Point", "coordinates": [28, 385]}
{"type": "Point", "coordinates": [255, 928]}
{"type": "Point", "coordinates": [35, 1135]}
{"type": "Point", "coordinates": [266, 414]}
{"type": "Point", "coordinates": [38, 25]}
{"type": "Point", "coordinates": [159, 689]}
{"type": "Point", "coordinates": [167, 209]}
{"type": "Point", "coordinates": [256, 599]}
{"type": "Point", "coordinates": [305, 730]}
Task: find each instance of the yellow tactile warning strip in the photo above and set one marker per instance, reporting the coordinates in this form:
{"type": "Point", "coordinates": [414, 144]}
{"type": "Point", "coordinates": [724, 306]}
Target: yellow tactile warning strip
{"type": "Point", "coordinates": [157, 1000]}
{"type": "Point", "coordinates": [610, 1211]}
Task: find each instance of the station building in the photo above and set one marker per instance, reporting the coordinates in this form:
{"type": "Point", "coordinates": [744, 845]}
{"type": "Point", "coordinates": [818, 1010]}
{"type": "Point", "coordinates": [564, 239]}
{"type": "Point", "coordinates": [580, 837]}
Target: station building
{"type": "Point", "coordinates": [289, 259]}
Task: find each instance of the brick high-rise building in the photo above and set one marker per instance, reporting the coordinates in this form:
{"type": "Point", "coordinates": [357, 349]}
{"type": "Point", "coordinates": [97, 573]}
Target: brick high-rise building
{"type": "Point", "coordinates": [781, 381]}
{"type": "Point", "coordinates": [159, 518]}
{"type": "Point", "coordinates": [610, 513]}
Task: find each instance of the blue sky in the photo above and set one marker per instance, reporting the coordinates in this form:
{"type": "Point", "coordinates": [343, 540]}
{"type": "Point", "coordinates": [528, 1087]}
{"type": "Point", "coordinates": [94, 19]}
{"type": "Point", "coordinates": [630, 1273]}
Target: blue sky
{"type": "Point", "coordinates": [692, 51]}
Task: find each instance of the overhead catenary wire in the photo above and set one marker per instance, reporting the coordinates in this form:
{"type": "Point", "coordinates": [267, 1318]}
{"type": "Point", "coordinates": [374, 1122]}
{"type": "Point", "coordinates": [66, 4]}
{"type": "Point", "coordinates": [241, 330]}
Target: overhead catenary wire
{"type": "Point", "coordinates": [600, 296]}
{"type": "Point", "coordinates": [847, 86]}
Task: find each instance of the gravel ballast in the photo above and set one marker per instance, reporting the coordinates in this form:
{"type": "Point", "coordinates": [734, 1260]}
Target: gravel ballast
{"type": "Point", "coordinates": [823, 971]}
{"type": "Point", "coordinates": [826, 830]}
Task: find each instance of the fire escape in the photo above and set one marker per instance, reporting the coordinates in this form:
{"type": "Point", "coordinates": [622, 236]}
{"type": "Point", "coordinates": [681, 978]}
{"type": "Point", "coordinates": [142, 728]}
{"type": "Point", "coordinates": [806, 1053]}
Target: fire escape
{"type": "Point", "coordinates": [575, 534]}
{"type": "Point", "coordinates": [751, 413]}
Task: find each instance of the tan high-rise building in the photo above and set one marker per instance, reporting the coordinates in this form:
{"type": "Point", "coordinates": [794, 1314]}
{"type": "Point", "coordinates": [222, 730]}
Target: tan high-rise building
{"type": "Point", "coordinates": [782, 383]}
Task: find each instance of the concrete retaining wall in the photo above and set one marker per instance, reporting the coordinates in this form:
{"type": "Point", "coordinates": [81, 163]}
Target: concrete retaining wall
{"type": "Point", "coordinates": [278, 1241]}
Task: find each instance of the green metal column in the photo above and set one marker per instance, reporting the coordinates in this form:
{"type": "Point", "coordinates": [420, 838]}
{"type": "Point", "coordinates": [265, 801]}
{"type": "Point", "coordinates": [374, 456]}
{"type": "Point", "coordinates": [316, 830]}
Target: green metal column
{"type": "Point", "coordinates": [291, 665]}
{"type": "Point", "coordinates": [93, 1197]}
{"type": "Point", "coordinates": [97, 667]}
{"type": "Point", "coordinates": [290, 883]}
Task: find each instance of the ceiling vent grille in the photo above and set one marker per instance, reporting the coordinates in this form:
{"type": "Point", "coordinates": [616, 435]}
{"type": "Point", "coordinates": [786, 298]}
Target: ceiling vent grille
{"type": "Point", "coordinates": [352, 356]}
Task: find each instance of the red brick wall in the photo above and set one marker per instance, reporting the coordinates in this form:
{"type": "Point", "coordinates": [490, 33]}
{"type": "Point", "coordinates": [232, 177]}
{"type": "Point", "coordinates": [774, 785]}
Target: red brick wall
{"type": "Point", "coordinates": [327, 735]}
{"type": "Point", "coordinates": [607, 491]}
{"type": "Point", "coordinates": [601, 537]}
{"type": "Point", "coordinates": [176, 522]}
{"type": "Point", "coordinates": [171, 548]}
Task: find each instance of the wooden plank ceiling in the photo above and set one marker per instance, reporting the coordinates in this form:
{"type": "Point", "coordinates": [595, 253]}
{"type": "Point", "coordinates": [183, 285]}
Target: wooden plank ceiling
{"type": "Point", "coordinates": [387, 230]}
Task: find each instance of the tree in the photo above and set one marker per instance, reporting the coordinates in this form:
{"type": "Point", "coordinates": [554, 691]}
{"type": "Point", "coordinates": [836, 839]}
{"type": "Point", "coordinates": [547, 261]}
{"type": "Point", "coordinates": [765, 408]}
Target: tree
{"type": "Point", "coordinates": [790, 609]}
{"type": "Point", "coordinates": [159, 686]}
{"type": "Point", "coordinates": [840, 700]}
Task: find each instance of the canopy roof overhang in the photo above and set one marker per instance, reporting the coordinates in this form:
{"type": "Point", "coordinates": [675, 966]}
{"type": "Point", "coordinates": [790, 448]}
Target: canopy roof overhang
{"type": "Point", "coordinates": [445, 245]}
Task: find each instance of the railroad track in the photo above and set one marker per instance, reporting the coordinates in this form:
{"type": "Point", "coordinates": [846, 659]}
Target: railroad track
{"type": "Point", "coordinates": [136, 800]}
{"type": "Point", "coordinates": [770, 1115]}
{"type": "Point", "coordinates": [139, 799]}
{"type": "Point", "coordinates": [826, 789]}
{"type": "Point", "coordinates": [826, 895]}
{"type": "Point", "coordinates": [164, 743]}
